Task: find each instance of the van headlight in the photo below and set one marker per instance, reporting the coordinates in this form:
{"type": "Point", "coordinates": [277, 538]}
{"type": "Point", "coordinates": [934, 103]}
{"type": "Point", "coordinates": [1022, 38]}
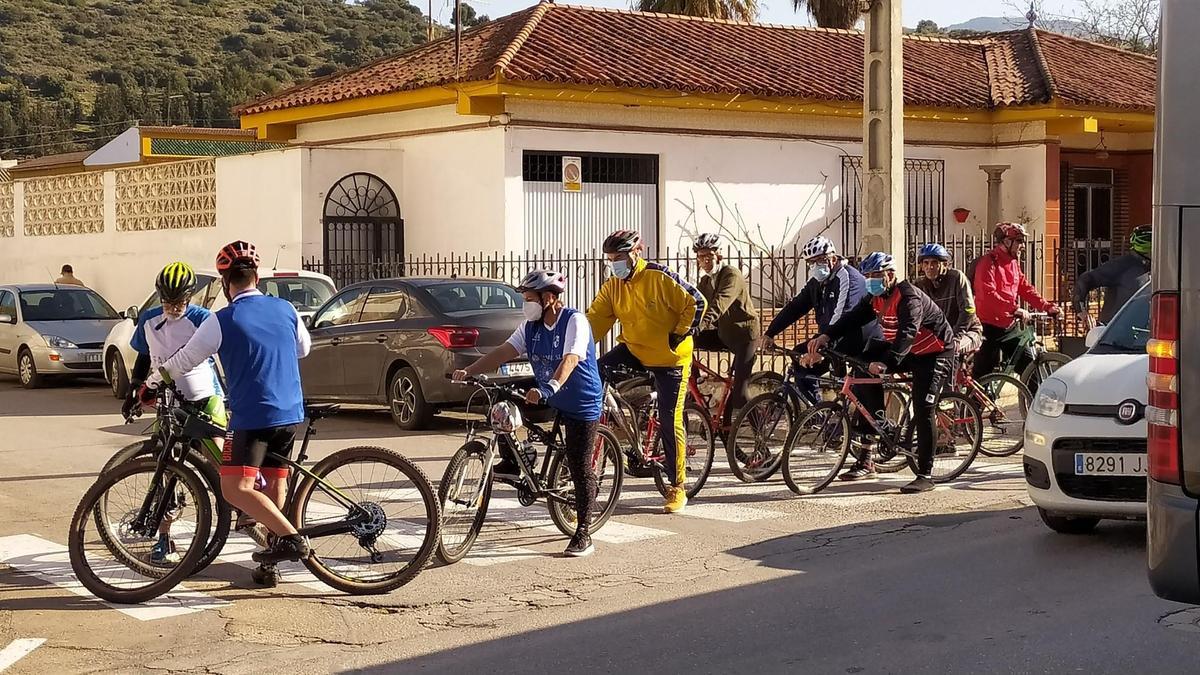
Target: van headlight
{"type": "Point", "coordinates": [1051, 398]}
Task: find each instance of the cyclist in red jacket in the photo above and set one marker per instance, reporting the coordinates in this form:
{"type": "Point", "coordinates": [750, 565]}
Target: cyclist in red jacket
{"type": "Point", "coordinates": [1000, 286]}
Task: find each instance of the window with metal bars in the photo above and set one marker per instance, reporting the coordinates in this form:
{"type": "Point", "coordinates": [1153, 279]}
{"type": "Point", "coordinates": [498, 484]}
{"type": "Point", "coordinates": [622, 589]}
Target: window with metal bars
{"type": "Point", "coordinates": [543, 166]}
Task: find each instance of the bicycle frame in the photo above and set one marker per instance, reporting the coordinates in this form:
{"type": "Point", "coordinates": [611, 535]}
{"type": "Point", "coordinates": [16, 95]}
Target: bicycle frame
{"type": "Point", "coordinates": [693, 386]}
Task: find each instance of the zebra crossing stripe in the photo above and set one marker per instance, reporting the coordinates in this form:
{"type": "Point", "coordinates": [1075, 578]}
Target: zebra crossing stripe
{"type": "Point", "coordinates": [511, 512]}
{"type": "Point", "coordinates": [17, 650]}
{"type": "Point", "coordinates": [50, 562]}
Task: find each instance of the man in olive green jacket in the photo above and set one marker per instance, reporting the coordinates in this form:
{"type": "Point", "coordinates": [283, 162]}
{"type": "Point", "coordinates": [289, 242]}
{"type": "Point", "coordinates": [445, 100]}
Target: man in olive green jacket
{"type": "Point", "coordinates": [730, 323]}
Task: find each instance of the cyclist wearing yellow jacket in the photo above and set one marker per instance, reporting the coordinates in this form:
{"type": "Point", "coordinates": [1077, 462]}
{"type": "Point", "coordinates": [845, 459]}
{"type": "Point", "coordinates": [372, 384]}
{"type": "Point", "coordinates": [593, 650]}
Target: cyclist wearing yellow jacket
{"type": "Point", "coordinates": [659, 313]}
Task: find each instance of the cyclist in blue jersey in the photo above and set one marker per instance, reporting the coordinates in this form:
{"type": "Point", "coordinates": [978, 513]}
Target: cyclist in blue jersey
{"type": "Point", "coordinates": [260, 340]}
{"type": "Point", "coordinates": [160, 333]}
{"type": "Point", "coordinates": [559, 343]}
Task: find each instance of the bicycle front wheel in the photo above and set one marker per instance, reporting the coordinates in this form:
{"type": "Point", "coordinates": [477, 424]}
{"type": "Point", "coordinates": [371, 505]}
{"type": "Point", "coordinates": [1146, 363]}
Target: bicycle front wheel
{"type": "Point", "coordinates": [1004, 414]}
{"type": "Point", "coordinates": [959, 432]}
{"type": "Point", "coordinates": [758, 435]}
{"type": "Point", "coordinates": [606, 462]}
{"type": "Point", "coordinates": [698, 453]}
{"type": "Point", "coordinates": [394, 522]}
{"type": "Point", "coordinates": [121, 517]}
{"type": "Point", "coordinates": [817, 448]}
{"type": "Point", "coordinates": [463, 494]}
{"type": "Point", "coordinates": [1042, 367]}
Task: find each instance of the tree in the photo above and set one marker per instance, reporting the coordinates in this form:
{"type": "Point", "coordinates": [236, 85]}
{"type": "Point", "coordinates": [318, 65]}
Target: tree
{"type": "Point", "coordinates": [469, 18]}
{"type": "Point", "coordinates": [928, 27]}
{"type": "Point", "coordinates": [832, 13]}
{"type": "Point", "coordinates": [737, 10]}
{"type": "Point", "coordinates": [1128, 24]}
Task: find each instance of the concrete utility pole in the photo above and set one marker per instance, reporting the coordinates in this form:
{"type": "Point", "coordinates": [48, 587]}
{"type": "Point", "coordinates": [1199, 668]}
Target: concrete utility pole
{"type": "Point", "coordinates": [883, 133]}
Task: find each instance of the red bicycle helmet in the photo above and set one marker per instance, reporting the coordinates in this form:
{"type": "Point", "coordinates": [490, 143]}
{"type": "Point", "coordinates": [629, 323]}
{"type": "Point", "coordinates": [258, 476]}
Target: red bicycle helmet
{"type": "Point", "coordinates": [1011, 231]}
{"type": "Point", "coordinates": [237, 255]}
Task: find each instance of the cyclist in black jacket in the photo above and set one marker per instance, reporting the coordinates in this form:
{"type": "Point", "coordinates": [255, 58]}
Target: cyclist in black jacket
{"type": "Point", "coordinates": [834, 287]}
{"type": "Point", "coordinates": [916, 339]}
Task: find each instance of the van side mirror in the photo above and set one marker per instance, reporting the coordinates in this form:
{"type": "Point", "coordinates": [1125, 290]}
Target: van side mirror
{"type": "Point", "coordinates": [9, 319]}
{"type": "Point", "coordinates": [1094, 336]}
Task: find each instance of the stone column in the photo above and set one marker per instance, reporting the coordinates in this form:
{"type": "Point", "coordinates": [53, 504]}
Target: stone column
{"type": "Point", "coordinates": [995, 211]}
{"type": "Point", "coordinates": [883, 133]}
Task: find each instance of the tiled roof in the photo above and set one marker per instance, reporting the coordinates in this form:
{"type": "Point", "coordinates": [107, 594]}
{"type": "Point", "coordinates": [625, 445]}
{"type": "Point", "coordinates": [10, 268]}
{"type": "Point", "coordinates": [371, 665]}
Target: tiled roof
{"type": "Point", "coordinates": [562, 44]}
{"type": "Point", "coordinates": [195, 131]}
{"type": "Point", "coordinates": [51, 161]}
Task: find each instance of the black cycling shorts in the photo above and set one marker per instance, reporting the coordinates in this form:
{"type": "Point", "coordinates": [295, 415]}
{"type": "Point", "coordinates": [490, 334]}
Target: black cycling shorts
{"type": "Point", "coordinates": [246, 452]}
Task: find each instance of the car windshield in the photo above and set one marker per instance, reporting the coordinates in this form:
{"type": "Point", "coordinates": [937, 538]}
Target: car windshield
{"type": "Point", "coordinates": [207, 290]}
{"type": "Point", "coordinates": [1130, 328]}
{"type": "Point", "coordinates": [305, 293]}
{"type": "Point", "coordinates": [474, 296]}
{"type": "Point", "coordinates": [65, 305]}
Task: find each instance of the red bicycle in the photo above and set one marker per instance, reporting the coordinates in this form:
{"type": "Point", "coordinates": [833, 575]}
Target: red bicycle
{"type": "Point", "coordinates": [631, 410]}
{"type": "Point", "coordinates": [819, 443]}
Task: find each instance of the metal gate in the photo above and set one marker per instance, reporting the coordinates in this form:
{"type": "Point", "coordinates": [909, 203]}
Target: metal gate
{"type": "Point", "coordinates": [617, 192]}
{"type": "Point", "coordinates": [363, 227]}
{"type": "Point", "coordinates": [924, 201]}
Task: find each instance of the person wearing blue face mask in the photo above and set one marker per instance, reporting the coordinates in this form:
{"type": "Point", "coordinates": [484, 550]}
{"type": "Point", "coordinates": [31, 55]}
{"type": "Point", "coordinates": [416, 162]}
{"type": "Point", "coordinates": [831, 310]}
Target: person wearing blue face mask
{"type": "Point", "coordinates": [834, 287]}
{"type": "Point", "coordinates": [917, 339]}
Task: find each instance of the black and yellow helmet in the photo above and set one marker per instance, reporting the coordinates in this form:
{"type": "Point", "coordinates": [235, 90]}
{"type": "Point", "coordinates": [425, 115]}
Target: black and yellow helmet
{"type": "Point", "coordinates": [175, 282]}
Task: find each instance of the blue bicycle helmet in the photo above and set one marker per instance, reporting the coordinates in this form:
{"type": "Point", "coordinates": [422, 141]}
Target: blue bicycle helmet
{"type": "Point", "coordinates": [876, 262]}
{"type": "Point", "coordinates": [933, 251]}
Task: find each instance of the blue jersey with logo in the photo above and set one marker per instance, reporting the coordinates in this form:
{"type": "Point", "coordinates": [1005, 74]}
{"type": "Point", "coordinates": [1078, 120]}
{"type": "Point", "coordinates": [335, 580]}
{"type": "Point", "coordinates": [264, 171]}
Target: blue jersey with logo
{"type": "Point", "coordinates": [258, 352]}
{"type": "Point", "coordinates": [581, 396]}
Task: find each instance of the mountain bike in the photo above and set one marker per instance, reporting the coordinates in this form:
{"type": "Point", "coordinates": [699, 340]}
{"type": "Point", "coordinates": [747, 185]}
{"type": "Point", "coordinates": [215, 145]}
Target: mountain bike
{"type": "Point", "coordinates": [1031, 362]}
{"type": "Point", "coordinates": [631, 409]}
{"type": "Point", "coordinates": [818, 445]}
{"type": "Point", "coordinates": [466, 488]}
{"type": "Point", "coordinates": [762, 427]}
{"type": "Point", "coordinates": [371, 514]}
{"type": "Point", "coordinates": [1003, 402]}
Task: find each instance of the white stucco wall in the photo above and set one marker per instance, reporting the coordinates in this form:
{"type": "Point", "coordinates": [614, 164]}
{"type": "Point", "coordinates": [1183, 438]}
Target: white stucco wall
{"type": "Point", "coordinates": [774, 191]}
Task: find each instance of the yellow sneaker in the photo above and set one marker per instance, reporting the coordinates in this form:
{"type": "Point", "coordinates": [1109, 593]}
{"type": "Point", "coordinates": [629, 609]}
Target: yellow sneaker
{"type": "Point", "coordinates": [675, 500]}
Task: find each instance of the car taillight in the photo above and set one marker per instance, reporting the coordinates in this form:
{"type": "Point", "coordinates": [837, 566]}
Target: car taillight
{"type": "Point", "coordinates": [453, 337]}
{"type": "Point", "coordinates": [1162, 415]}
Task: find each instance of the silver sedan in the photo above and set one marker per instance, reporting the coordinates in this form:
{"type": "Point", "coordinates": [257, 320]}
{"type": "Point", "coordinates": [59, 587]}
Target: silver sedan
{"type": "Point", "coordinates": [52, 330]}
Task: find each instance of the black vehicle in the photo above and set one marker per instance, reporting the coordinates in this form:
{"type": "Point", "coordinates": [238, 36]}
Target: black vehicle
{"type": "Point", "coordinates": [392, 342]}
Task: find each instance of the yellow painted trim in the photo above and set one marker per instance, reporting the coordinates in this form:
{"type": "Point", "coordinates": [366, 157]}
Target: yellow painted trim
{"type": "Point", "coordinates": [367, 105]}
{"type": "Point", "coordinates": [146, 147]}
{"type": "Point", "coordinates": [177, 136]}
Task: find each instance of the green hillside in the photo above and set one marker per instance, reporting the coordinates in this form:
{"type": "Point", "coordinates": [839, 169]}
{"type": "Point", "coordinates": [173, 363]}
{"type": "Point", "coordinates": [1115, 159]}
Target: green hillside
{"type": "Point", "coordinates": [74, 72]}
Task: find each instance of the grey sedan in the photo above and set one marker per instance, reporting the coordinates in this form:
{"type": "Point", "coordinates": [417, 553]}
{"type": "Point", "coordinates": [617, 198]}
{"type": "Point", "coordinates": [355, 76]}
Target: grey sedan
{"type": "Point", "coordinates": [52, 330]}
{"type": "Point", "coordinates": [392, 342]}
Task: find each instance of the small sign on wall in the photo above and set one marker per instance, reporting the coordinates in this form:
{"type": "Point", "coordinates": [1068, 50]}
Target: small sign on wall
{"type": "Point", "coordinates": [572, 174]}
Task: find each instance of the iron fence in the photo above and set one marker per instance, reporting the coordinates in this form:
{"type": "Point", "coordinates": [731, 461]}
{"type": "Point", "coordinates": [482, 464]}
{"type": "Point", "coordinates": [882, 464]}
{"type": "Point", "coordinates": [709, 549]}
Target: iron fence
{"type": "Point", "coordinates": [774, 276]}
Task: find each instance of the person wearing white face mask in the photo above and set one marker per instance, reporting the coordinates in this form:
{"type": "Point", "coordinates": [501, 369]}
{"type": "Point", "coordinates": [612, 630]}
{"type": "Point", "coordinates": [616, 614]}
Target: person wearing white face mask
{"type": "Point", "coordinates": [833, 288]}
{"type": "Point", "coordinates": [160, 333]}
{"type": "Point", "coordinates": [558, 341]}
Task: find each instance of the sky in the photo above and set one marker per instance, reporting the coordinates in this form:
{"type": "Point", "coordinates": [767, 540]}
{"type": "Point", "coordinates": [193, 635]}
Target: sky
{"type": "Point", "coordinates": [944, 12]}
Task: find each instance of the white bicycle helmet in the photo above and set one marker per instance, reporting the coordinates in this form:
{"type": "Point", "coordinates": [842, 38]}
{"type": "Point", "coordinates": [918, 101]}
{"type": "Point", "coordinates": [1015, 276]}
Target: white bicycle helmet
{"type": "Point", "coordinates": [708, 241]}
{"type": "Point", "coordinates": [818, 246]}
{"type": "Point", "coordinates": [543, 281]}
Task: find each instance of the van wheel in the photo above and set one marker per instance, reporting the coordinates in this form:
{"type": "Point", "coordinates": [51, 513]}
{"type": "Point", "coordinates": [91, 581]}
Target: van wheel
{"type": "Point", "coordinates": [410, 411]}
{"type": "Point", "coordinates": [118, 377]}
{"type": "Point", "coordinates": [1068, 524]}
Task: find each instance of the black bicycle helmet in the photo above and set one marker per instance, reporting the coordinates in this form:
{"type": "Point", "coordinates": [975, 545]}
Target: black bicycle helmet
{"type": "Point", "coordinates": [622, 241]}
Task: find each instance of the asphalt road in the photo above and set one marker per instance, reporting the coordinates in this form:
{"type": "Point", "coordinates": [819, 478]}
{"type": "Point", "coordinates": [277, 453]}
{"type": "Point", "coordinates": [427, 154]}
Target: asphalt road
{"type": "Point", "coordinates": [857, 579]}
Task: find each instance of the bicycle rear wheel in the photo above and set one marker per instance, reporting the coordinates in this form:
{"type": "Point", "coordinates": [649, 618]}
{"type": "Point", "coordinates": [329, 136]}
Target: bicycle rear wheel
{"type": "Point", "coordinates": [758, 436]}
{"type": "Point", "coordinates": [1003, 414]}
{"type": "Point", "coordinates": [391, 542]}
{"type": "Point", "coordinates": [817, 448]}
{"type": "Point", "coordinates": [699, 451]}
{"type": "Point", "coordinates": [609, 477]}
{"type": "Point", "coordinates": [120, 517]}
{"type": "Point", "coordinates": [222, 512]}
{"type": "Point", "coordinates": [959, 434]}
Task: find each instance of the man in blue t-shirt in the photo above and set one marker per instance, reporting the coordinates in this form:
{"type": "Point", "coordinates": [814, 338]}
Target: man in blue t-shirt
{"type": "Point", "coordinates": [558, 341]}
{"type": "Point", "coordinates": [260, 340]}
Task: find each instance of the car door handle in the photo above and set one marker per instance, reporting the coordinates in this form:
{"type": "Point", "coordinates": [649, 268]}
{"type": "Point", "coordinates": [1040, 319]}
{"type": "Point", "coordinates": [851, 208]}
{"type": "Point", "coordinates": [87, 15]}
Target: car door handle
{"type": "Point", "coordinates": [336, 341]}
{"type": "Point", "coordinates": [382, 337]}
